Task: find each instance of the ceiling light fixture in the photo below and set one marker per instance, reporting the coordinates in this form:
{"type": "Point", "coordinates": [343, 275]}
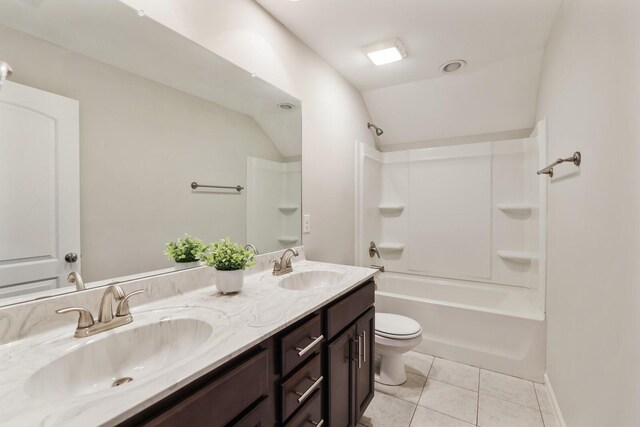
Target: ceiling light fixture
{"type": "Point", "coordinates": [453, 66]}
{"type": "Point", "coordinates": [386, 52]}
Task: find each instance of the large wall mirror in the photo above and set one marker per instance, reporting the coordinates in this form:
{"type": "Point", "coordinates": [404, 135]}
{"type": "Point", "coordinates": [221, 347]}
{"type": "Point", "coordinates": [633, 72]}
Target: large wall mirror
{"type": "Point", "coordinates": [106, 121]}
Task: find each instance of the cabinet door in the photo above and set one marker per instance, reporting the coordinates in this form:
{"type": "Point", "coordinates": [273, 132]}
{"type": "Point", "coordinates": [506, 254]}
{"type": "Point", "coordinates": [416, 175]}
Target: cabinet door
{"type": "Point", "coordinates": [257, 417]}
{"type": "Point", "coordinates": [341, 376]}
{"type": "Point", "coordinates": [364, 365]}
{"type": "Point", "coordinates": [222, 400]}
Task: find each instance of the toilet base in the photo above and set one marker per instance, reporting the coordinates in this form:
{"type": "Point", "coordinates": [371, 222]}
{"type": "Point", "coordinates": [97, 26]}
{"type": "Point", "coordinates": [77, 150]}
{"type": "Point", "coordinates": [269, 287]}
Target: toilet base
{"type": "Point", "coordinates": [391, 370]}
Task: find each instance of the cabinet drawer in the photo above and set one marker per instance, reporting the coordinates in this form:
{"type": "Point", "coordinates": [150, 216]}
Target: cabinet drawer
{"type": "Point", "coordinates": [344, 312]}
{"type": "Point", "coordinates": [298, 389]}
{"type": "Point", "coordinates": [219, 402]}
{"type": "Point", "coordinates": [257, 417]}
{"type": "Point", "coordinates": [310, 414]}
{"type": "Point", "coordinates": [300, 344]}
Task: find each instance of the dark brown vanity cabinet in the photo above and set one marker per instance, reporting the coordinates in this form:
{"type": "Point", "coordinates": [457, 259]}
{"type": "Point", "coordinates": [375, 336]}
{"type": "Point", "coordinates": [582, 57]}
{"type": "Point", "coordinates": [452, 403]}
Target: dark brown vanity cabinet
{"type": "Point", "coordinates": [239, 396]}
{"type": "Point", "coordinates": [364, 385]}
{"type": "Point", "coordinates": [350, 364]}
{"type": "Point", "coordinates": [340, 378]}
{"type": "Point", "coordinates": [317, 372]}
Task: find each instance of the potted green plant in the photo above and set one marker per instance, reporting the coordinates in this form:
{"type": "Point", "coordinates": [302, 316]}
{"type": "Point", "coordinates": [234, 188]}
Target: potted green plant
{"type": "Point", "coordinates": [229, 259]}
{"type": "Point", "coordinates": [186, 252]}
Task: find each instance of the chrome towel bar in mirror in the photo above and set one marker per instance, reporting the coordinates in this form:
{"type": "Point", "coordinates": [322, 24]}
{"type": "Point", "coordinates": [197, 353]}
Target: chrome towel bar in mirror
{"type": "Point", "coordinates": [238, 188]}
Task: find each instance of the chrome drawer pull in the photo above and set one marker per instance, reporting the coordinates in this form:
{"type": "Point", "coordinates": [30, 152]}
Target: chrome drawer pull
{"type": "Point", "coordinates": [364, 346]}
{"type": "Point", "coordinates": [307, 349]}
{"type": "Point", "coordinates": [317, 424]}
{"type": "Point", "coordinates": [316, 383]}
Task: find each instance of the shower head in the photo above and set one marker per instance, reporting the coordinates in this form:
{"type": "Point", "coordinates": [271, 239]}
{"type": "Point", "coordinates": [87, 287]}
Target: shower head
{"type": "Point", "coordinates": [376, 128]}
{"type": "Point", "coordinates": [5, 72]}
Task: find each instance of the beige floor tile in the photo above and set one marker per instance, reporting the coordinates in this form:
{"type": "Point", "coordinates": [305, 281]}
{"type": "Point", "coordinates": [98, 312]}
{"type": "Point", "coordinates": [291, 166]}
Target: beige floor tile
{"type": "Point", "coordinates": [549, 420]}
{"type": "Point", "coordinates": [494, 412]}
{"type": "Point", "coordinates": [455, 373]}
{"type": "Point", "coordinates": [450, 400]}
{"type": "Point", "coordinates": [388, 411]}
{"type": "Point", "coordinates": [409, 391]}
{"type": "Point", "coordinates": [418, 363]}
{"type": "Point", "coordinates": [543, 398]}
{"type": "Point", "coordinates": [427, 418]}
{"type": "Point", "coordinates": [508, 388]}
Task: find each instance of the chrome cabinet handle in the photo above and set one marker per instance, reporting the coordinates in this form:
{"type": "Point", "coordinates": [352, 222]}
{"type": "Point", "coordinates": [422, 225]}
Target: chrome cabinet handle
{"type": "Point", "coordinates": [316, 383]}
{"type": "Point", "coordinates": [364, 346]}
{"type": "Point", "coordinates": [359, 352]}
{"type": "Point", "coordinates": [317, 424]}
{"type": "Point", "coordinates": [307, 349]}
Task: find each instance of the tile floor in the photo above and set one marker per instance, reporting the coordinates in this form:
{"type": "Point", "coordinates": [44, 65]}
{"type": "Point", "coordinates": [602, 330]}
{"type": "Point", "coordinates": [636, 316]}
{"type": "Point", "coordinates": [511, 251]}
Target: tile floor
{"type": "Point", "coordinates": [442, 393]}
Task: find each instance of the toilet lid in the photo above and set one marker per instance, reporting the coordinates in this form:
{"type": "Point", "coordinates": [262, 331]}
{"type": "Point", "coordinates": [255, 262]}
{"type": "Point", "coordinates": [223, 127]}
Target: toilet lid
{"type": "Point", "coordinates": [397, 327]}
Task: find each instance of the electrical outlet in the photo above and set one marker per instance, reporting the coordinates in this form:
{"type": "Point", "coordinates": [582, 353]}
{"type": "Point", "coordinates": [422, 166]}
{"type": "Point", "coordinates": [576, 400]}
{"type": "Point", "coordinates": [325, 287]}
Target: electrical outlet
{"type": "Point", "coordinates": [306, 224]}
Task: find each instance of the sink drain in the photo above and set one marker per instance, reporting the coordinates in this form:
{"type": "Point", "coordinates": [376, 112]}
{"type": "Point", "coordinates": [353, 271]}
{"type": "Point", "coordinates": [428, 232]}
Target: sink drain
{"type": "Point", "coordinates": [121, 381]}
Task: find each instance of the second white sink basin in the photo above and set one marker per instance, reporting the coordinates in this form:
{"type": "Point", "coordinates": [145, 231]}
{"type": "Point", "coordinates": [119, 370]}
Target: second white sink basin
{"type": "Point", "coordinates": [119, 358]}
{"type": "Point", "coordinates": [298, 281]}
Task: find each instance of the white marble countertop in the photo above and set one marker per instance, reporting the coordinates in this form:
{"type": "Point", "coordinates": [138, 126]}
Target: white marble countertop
{"type": "Point", "coordinates": [239, 322]}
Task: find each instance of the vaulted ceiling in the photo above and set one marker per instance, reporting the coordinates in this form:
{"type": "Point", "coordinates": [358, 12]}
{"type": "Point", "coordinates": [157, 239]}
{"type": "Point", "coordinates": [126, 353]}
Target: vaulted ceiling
{"type": "Point", "coordinates": [501, 40]}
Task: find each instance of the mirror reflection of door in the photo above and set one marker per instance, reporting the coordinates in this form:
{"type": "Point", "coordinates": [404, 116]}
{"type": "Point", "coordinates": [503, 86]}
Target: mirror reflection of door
{"type": "Point", "coordinates": [39, 189]}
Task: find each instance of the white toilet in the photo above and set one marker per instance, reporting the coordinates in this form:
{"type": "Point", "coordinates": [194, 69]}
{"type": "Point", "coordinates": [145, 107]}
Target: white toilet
{"type": "Point", "coordinates": [395, 335]}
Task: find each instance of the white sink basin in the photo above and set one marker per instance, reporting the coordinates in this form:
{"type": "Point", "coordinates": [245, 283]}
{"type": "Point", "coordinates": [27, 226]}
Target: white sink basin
{"type": "Point", "coordinates": [298, 281]}
{"type": "Point", "coordinates": [100, 363]}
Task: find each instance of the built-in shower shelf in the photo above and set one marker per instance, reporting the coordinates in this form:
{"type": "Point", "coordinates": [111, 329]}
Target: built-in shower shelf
{"type": "Point", "coordinates": [391, 247]}
{"type": "Point", "coordinates": [288, 239]}
{"type": "Point", "coordinates": [518, 256]}
{"type": "Point", "coordinates": [515, 208]}
{"type": "Point", "coordinates": [391, 209]}
{"type": "Point", "coordinates": [288, 209]}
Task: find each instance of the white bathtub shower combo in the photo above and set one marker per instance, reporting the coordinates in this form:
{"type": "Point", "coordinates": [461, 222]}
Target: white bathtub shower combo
{"type": "Point", "coordinates": [461, 233]}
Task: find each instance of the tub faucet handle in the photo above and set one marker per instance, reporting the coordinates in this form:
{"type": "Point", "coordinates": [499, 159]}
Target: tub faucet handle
{"type": "Point", "coordinates": [373, 249]}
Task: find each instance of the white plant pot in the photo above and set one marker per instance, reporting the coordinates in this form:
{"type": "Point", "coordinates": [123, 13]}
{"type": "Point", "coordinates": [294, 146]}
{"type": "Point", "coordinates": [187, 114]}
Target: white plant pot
{"type": "Point", "coordinates": [229, 281]}
{"type": "Point", "coordinates": [185, 265]}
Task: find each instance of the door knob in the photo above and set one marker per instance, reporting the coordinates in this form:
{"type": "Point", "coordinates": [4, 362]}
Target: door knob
{"type": "Point", "coordinates": [71, 257]}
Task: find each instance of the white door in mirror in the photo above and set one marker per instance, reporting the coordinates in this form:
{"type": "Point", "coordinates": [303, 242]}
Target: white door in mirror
{"type": "Point", "coordinates": [306, 224]}
{"type": "Point", "coordinates": [39, 189]}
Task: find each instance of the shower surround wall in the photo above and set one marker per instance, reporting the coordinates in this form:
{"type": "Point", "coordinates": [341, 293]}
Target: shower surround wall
{"type": "Point", "coordinates": [273, 203]}
{"type": "Point", "coordinates": [462, 226]}
{"type": "Point", "coordinates": [468, 212]}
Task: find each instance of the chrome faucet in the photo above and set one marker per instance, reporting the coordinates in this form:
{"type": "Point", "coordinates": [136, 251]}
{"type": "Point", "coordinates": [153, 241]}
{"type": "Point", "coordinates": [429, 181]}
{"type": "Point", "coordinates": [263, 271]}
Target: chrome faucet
{"type": "Point", "coordinates": [75, 278]}
{"type": "Point", "coordinates": [252, 247]}
{"type": "Point", "coordinates": [283, 266]}
{"type": "Point", "coordinates": [113, 293]}
{"type": "Point", "coordinates": [107, 318]}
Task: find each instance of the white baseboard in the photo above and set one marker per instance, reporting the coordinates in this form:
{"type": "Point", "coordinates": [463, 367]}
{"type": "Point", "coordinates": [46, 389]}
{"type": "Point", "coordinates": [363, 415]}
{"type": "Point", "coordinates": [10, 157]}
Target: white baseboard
{"type": "Point", "coordinates": [554, 402]}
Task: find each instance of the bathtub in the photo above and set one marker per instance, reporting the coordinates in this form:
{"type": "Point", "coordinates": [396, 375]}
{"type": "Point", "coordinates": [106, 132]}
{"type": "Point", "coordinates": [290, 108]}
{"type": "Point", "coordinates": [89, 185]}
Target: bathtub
{"type": "Point", "coordinates": [493, 327]}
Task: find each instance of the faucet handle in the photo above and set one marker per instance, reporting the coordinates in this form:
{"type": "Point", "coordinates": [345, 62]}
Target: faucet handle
{"type": "Point", "coordinates": [123, 305]}
{"type": "Point", "coordinates": [85, 319]}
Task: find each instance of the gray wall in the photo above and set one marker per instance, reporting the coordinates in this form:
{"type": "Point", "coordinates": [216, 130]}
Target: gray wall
{"type": "Point", "coordinates": [590, 94]}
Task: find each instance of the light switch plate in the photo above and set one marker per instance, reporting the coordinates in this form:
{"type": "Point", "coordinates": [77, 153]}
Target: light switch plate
{"type": "Point", "coordinates": [306, 224]}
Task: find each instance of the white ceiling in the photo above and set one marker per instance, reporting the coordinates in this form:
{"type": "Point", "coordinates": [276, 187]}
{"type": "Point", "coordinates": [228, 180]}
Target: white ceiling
{"type": "Point", "coordinates": [485, 33]}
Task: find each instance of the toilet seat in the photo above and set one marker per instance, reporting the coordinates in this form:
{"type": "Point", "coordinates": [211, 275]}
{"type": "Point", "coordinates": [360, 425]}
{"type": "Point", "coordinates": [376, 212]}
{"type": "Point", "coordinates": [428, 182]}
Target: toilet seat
{"type": "Point", "coordinates": [397, 327]}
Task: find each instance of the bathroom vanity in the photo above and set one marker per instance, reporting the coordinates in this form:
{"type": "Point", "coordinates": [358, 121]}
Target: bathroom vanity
{"type": "Point", "coordinates": [318, 371]}
{"type": "Point", "coordinates": [291, 350]}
